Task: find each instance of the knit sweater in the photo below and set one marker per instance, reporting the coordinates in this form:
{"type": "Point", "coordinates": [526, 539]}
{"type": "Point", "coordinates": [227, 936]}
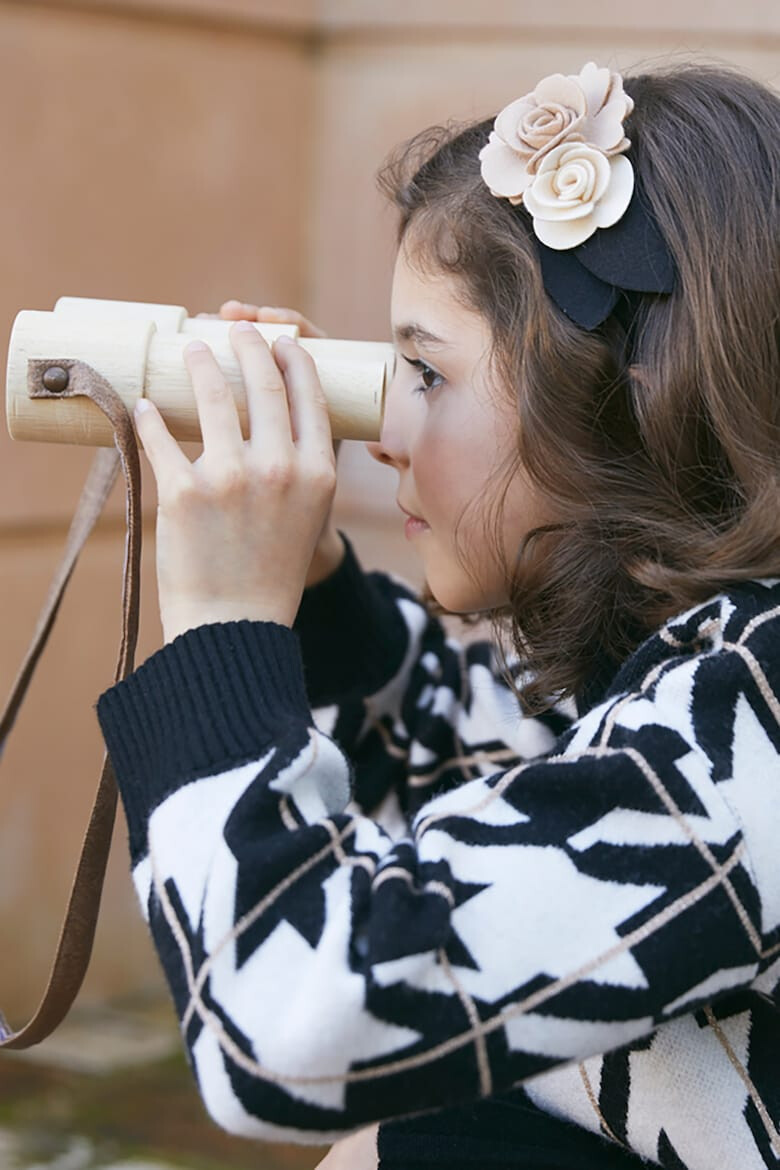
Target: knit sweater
{"type": "Point", "coordinates": [376, 889]}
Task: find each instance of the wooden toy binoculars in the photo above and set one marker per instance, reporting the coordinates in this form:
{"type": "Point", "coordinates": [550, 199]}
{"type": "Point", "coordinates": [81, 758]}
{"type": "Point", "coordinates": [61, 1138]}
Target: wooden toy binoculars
{"type": "Point", "coordinates": [137, 348]}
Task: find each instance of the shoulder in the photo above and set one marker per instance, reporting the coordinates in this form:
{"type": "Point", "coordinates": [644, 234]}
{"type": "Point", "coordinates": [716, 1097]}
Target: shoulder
{"type": "Point", "coordinates": [739, 625]}
{"type": "Point", "coordinates": [707, 681]}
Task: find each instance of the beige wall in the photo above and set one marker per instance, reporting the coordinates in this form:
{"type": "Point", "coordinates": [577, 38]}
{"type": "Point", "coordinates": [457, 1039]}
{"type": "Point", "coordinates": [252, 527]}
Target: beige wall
{"type": "Point", "coordinates": [186, 151]}
{"type": "Point", "coordinates": [148, 159]}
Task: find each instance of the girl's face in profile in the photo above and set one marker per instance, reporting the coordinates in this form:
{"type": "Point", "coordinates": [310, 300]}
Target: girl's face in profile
{"type": "Point", "coordinates": [449, 431]}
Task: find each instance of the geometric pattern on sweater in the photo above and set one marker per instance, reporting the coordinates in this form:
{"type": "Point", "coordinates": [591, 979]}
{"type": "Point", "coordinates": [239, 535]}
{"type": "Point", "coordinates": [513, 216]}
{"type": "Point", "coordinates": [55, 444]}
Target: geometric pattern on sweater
{"type": "Point", "coordinates": [589, 907]}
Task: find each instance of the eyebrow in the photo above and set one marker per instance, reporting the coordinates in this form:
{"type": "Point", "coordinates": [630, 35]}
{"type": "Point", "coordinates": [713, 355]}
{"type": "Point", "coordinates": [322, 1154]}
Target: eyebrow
{"type": "Point", "coordinates": [411, 331]}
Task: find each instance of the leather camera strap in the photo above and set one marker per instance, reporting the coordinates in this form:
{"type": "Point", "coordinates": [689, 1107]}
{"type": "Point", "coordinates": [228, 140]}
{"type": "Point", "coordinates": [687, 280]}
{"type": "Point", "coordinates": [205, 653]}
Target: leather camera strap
{"type": "Point", "coordinates": [67, 378]}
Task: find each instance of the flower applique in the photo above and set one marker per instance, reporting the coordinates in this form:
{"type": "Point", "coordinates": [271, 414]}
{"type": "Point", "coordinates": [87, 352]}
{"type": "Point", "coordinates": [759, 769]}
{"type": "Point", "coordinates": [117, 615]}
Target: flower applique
{"type": "Point", "coordinates": [559, 152]}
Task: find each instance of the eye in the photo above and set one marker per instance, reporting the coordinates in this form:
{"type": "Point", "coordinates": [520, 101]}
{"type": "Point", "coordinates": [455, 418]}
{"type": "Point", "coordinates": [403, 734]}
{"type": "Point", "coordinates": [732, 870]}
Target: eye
{"type": "Point", "coordinates": [429, 378]}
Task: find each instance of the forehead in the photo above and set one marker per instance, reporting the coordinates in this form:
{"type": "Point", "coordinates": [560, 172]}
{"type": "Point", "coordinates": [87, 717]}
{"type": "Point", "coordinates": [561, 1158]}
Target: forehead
{"type": "Point", "coordinates": [428, 305]}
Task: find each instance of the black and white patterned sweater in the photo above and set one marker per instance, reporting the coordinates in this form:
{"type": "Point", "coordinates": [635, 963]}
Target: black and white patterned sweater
{"type": "Point", "coordinates": [418, 897]}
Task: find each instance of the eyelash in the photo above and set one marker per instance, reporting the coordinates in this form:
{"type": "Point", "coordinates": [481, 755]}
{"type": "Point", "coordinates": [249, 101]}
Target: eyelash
{"type": "Point", "coordinates": [425, 371]}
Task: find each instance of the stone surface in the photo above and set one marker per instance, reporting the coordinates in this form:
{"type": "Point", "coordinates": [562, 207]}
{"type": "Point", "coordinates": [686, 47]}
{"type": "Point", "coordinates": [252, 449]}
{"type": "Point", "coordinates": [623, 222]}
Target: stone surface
{"type": "Point", "coordinates": [111, 1090]}
{"type": "Point", "coordinates": [78, 1154]}
{"type": "Point", "coordinates": [100, 1040]}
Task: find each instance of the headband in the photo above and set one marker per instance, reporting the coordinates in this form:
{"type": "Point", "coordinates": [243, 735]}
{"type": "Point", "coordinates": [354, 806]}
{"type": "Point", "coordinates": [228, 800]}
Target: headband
{"type": "Point", "coordinates": [560, 153]}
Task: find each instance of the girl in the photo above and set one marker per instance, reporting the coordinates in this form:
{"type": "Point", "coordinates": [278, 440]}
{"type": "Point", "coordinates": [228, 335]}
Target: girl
{"type": "Point", "coordinates": [528, 903]}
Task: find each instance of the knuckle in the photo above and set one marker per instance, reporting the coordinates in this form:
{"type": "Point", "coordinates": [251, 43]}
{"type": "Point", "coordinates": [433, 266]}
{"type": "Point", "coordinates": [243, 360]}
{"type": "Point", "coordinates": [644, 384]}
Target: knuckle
{"type": "Point", "coordinates": [229, 478]}
{"type": "Point", "coordinates": [285, 316]}
{"type": "Point", "coordinates": [215, 391]}
{"type": "Point", "coordinates": [279, 474]}
{"type": "Point", "coordinates": [179, 492]}
{"type": "Point", "coordinates": [323, 478]}
{"type": "Point", "coordinates": [273, 385]}
{"type": "Point", "coordinates": [235, 310]}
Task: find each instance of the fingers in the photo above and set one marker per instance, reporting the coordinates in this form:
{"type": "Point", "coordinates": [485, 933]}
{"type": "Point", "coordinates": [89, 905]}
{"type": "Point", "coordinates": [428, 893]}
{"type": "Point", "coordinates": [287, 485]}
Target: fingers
{"type": "Point", "coordinates": [270, 425]}
{"type": "Point", "coordinates": [306, 328]}
{"type": "Point", "coordinates": [284, 394]}
{"type": "Point", "coordinates": [163, 452]}
{"type": "Point", "coordinates": [308, 406]}
{"type": "Point", "coordinates": [242, 311]}
{"type": "Point", "coordinates": [284, 398]}
{"type": "Point", "coordinates": [238, 311]}
{"type": "Point", "coordinates": [219, 423]}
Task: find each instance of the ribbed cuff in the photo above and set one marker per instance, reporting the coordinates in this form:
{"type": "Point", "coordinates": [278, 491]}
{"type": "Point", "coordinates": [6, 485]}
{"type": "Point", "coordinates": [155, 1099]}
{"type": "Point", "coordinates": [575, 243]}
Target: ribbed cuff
{"type": "Point", "coordinates": [213, 699]}
{"type": "Point", "coordinates": [353, 637]}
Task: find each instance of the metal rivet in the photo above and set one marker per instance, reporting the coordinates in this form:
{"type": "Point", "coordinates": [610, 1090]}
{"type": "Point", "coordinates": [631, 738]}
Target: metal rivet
{"type": "Point", "coordinates": [56, 379]}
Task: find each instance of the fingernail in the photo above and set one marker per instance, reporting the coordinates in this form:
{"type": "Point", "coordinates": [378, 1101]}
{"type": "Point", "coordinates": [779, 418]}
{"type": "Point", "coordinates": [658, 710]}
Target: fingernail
{"type": "Point", "coordinates": [285, 339]}
{"type": "Point", "coordinates": [244, 326]}
{"type": "Point", "coordinates": [142, 405]}
{"type": "Point", "coordinates": [195, 346]}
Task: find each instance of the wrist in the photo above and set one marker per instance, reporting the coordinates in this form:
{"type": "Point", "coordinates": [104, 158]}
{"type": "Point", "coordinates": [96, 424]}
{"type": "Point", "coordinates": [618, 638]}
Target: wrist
{"type": "Point", "coordinates": [327, 558]}
{"type": "Point", "coordinates": [223, 611]}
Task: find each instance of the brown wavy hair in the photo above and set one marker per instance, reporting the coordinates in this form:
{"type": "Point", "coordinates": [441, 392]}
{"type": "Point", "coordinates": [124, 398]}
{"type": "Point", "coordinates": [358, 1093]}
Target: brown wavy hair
{"type": "Point", "coordinates": [657, 440]}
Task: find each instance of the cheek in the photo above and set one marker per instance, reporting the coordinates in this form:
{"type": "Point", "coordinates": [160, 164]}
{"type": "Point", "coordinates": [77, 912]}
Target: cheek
{"type": "Point", "coordinates": [445, 470]}
{"type": "Point", "coordinates": [525, 507]}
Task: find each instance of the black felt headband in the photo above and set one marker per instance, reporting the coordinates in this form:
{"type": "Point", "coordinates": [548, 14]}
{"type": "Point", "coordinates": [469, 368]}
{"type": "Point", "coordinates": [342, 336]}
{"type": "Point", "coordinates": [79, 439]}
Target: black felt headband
{"type": "Point", "coordinates": [632, 256]}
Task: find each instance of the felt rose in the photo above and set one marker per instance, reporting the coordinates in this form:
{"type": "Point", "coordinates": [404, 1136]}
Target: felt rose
{"type": "Point", "coordinates": [588, 108]}
{"type": "Point", "coordinates": [576, 190]}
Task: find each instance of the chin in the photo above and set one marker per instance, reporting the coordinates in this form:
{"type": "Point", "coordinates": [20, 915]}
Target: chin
{"type": "Point", "coordinates": [458, 597]}
{"type": "Point", "coordinates": [458, 588]}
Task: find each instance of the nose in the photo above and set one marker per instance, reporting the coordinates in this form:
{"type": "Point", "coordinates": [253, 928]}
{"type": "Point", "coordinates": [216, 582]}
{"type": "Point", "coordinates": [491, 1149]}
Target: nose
{"type": "Point", "coordinates": [392, 446]}
{"type": "Point", "coordinates": [379, 452]}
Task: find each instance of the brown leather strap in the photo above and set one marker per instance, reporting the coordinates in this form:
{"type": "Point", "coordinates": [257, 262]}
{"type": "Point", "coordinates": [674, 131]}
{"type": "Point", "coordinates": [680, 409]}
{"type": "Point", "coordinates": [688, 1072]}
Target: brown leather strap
{"type": "Point", "coordinates": [78, 928]}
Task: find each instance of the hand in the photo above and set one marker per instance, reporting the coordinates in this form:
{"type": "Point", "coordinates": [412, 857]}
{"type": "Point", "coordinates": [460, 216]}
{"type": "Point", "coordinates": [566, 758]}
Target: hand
{"type": "Point", "coordinates": [356, 1152]}
{"type": "Point", "coordinates": [241, 311]}
{"type": "Point", "coordinates": [329, 550]}
{"type": "Point", "coordinates": [237, 529]}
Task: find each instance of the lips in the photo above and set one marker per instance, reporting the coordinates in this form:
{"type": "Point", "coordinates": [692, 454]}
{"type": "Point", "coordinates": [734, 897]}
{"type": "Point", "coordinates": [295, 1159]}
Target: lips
{"type": "Point", "coordinates": [414, 524]}
{"type": "Point", "coordinates": [411, 515]}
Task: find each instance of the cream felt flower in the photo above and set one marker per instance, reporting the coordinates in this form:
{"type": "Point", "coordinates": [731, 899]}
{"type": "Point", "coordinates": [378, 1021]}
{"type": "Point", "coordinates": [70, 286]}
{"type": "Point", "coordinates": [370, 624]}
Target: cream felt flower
{"type": "Point", "coordinates": [589, 108]}
{"type": "Point", "coordinates": [576, 190]}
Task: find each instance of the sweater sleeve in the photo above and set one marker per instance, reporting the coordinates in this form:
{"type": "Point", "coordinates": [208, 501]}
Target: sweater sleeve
{"type": "Point", "coordinates": [351, 631]}
{"type": "Point", "coordinates": [415, 711]}
{"type": "Point", "coordinates": [327, 976]}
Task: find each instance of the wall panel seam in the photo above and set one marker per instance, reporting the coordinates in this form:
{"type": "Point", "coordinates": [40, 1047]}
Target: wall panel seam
{"type": "Point", "coordinates": [303, 32]}
{"type": "Point", "coordinates": [318, 29]}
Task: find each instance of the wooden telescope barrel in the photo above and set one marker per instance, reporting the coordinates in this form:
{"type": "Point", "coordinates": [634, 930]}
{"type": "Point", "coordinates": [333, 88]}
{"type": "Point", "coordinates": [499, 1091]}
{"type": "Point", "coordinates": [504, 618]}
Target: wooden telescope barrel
{"type": "Point", "coordinates": [137, 347]}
